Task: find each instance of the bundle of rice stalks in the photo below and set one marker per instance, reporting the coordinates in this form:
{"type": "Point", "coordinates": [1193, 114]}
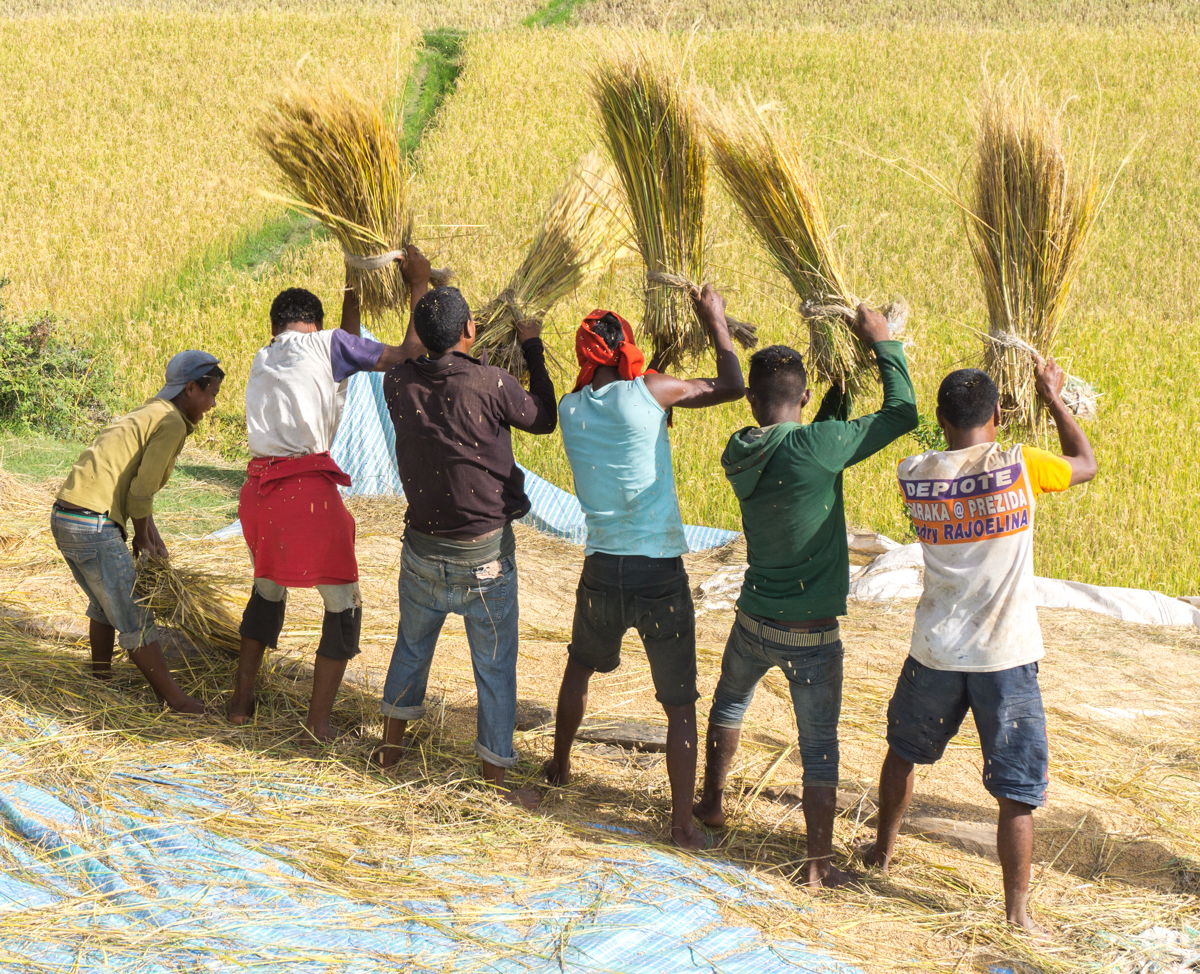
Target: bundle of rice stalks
{"type": "Point", "coordinates": [344, 164]}
{"type": "Point", "coordinates": [580, 236]}
{"type": "Point", "coordinates": [777, 193]}
{"type": "Point", "coordinates": [1029, 212]}
{"type": "Point", "coordinates": [653, 137]}
{"type": "Point", "coordinates": [195, 602]}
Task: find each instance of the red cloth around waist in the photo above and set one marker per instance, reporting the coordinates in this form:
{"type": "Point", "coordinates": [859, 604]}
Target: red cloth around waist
{"type": "Point", "coordinates": [294, 522]}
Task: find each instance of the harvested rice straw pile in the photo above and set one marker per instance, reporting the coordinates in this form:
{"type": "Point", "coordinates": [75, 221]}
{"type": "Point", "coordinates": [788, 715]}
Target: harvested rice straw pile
{"type": "Point", "coordinates": [191, 600]}
{"type": "Point", "coordinates": [344, 164]}
{"type": "Point", "coordinates": [1029, 213]}
{"type": "Point", "coordinates": [653, 136]}
{"type": "Point", "coordinates": [777, 192]}
{"type": "Point", "coordinates": [580, 236]}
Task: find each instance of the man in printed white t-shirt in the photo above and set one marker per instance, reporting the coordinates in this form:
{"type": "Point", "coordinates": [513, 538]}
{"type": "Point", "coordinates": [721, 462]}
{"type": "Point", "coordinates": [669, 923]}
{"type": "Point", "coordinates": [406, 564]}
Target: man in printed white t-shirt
{"type": "Point", "coordinates": [976, 640]}
{"type": "Point", "coordinates": [298, 530]}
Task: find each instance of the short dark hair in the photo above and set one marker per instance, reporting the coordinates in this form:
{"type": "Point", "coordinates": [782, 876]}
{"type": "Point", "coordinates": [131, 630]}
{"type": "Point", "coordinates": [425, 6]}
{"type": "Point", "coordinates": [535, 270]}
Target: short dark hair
{"type": "Point", "coordinates": [293, 306]}
{"type": "Point", "coordinates": [777, 376]}
{"type": "Point", "coordinates": [608, 327]}
{"type": "Point", "coordinates": [216, 372]}
{"type": "Point", "coordinates": [440, 317]}
{"type": "Point", "coordinates": [967, 398]}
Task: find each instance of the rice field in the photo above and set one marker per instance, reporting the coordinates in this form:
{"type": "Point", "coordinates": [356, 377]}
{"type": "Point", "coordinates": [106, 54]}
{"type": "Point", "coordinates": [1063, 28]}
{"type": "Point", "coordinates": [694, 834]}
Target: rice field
{"type": "Point", "coordinates": [131, 185]}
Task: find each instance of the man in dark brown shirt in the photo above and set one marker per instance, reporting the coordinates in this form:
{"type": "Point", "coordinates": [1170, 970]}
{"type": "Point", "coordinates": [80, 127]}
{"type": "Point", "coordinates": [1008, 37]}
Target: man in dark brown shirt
{"type": "Point", "coordinates": [454, 418]}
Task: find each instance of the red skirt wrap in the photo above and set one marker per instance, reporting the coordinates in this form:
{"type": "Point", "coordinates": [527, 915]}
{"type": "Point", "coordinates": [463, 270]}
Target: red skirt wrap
{"type": "Point", "coordinates": [293, 519]}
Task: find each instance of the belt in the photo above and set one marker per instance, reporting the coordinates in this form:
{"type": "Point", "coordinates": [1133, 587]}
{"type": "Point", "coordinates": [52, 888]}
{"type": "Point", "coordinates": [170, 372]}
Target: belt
{"type": "Point", "coordinates": [787, 637]}
{"type": "Point", "coordinates": [92, 519]}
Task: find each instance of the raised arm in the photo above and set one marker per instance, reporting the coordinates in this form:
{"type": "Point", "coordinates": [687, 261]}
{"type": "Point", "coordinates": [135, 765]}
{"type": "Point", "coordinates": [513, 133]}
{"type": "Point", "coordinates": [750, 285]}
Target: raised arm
{"type": "Point", "coordinates": [843, 444]}
{"type": "Point", "coordinates": [535, 411]}
{"type": "Point", "coordinates": [414, 266]}
{"type": "Point", "coordinates": [1076, 449]}
{"type": "Point", "coordinates": [728, 385]}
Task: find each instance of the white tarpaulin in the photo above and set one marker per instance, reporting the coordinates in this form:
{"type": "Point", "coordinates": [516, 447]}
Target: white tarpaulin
{"type": "Point", "coordinates": [898, 575]}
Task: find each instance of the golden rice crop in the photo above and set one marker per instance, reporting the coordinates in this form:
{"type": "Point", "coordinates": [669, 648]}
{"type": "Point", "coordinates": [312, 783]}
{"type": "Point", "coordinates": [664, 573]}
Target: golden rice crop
{"type": "Point", "coordinates": [778, 195]}
{"type": "Point", "coordinates": [649, 121]}
{"type": "Point", "coordinates": [344, 163]}
{"type": "Point", "coordinates": [581, 234]}
{"type": "Point", "coordinates": [196, 602]}
{"type": "Point", "coordinates": [1029, 212]}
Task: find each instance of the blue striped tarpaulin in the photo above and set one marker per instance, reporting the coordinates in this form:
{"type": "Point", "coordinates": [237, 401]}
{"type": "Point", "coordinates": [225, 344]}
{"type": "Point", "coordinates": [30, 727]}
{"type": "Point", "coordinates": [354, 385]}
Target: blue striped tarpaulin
{"type": "Point", "coordinates": [134, 875]}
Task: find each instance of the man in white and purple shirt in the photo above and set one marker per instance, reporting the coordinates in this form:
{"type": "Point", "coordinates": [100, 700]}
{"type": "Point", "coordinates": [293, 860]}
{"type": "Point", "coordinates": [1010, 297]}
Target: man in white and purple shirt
{"type": "Point", "coordinates": [298, 530]}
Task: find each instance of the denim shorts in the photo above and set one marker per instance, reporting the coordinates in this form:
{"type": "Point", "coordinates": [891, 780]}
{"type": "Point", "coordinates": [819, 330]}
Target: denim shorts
{"type": "Point", "coordinates": [486, 598]}
{"type": "Point", "coordinates": [103, 567]}
{"type": "Point", "coordinates": [621, 592]}
{"type": "Point", "coordinates": [929, 705]}
{"type": "Point", "coordinates": [814, 675]}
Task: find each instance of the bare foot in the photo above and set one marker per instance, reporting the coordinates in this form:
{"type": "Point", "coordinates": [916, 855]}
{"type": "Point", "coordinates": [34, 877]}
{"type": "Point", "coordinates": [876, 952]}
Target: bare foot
{"type": "Point", "coordinates": [528, 798]}
{"type": "Point", "coordinates": [189, 706]}
{"type": "Point", "coordinates": [557, 774]}
{"type": "Point", "coordinates": [710, 812]}
{"type": "Point", "coordinates": [1026, 925]}
{"type": "Point", "coordinates": [873, 856]}
{"type": "Point", "coordinates": [691, 837]}
{"type": "Point", "coordinates": [824, 875]}
{"type": "Point", "coordinates": [387, 756]}
{"type": "Point", "coordinates": [240, 710]}
{"type": "Point", "coordinates": [321, 734]}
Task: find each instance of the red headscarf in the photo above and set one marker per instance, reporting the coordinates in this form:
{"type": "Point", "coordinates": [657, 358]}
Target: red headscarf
{"type": "Point", "coordinates": [592, 351]}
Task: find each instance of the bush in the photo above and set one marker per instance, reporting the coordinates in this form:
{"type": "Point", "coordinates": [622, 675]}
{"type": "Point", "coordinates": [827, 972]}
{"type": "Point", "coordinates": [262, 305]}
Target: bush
{"type": "Point", "coordinates": [47, 383]}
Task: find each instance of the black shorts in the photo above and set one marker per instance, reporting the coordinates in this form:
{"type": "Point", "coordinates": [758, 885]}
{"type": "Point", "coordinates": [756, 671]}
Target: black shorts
{"type": "Point", "coordinates": [621, 592]}
{"type": "Point", "coordinates": [929, 705]}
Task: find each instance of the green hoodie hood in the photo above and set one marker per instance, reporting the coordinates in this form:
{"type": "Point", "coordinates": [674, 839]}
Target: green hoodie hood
{"type": "Point", "coordinates": [748, 452]}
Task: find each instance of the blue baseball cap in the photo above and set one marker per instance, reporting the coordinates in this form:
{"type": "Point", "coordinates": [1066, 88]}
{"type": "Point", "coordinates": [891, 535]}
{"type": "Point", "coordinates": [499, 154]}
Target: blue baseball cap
{"type": "Point", "coordinates": [184, 368]}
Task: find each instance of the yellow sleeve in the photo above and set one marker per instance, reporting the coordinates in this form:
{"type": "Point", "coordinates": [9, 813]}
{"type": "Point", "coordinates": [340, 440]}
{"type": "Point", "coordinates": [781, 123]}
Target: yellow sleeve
{"type": "Point", "coordinates": [1048, 473]}
{"type": "Point", "coordinates": [158, 460]}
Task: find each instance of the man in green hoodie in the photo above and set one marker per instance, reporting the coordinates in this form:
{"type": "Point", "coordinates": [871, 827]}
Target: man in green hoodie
{"type": "Point", "coordinates": [788, 481]}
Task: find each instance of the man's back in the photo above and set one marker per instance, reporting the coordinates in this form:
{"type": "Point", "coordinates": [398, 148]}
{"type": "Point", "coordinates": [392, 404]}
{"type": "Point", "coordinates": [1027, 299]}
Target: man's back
{"type": "Point", "coordinates": [454, 419]}
{"type": "Point", "coordinates": [794, 520]}
{"type": "Point", "coordinates": [620, 454]}
{"type": "Point", "coordinates": [107, 472]}
{"type": "Point", "coordinates": [973, 511]}
{"type": "Point", "coordinates": [297, 390]}
{"type": "Point", "coordinates": [788, 481]}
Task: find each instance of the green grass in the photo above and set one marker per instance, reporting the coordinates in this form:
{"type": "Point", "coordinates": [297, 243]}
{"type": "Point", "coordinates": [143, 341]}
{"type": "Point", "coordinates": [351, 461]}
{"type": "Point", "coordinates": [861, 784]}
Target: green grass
{"type": "Point", "coordinates": [432, 80]}
{"type": "Point", "coordinates": [200, 497]}
{"type": "Point", "coordinates": [554, 13]}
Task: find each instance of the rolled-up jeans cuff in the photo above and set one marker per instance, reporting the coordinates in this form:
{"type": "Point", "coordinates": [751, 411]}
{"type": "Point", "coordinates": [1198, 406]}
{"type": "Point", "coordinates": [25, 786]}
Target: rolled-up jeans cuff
{"type": "Point", "coordinates": [402, 713]}
{"type": "Point", "coordinates": [492, 758]}
{"type": "Point", "coordinates": [727, 722]}
{"type": "Point", "coordinates": [805, 782]}
{"type": "Point", "coordinates": [135, 640]}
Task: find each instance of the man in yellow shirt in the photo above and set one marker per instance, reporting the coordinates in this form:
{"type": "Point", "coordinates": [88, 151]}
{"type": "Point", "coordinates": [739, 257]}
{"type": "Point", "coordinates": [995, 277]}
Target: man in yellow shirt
{"type": "Point", "coordinates": [113, 481]}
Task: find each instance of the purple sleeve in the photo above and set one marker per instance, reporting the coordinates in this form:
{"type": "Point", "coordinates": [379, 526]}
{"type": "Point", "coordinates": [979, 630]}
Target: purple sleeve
{"type": "Point", "coordinates": [352, 353]}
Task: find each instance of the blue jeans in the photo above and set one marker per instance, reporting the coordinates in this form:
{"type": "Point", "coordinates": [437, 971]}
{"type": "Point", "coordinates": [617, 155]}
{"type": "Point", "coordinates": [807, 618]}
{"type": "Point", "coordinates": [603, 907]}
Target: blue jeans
{"type": "Point", "coordinates": [103, 567]}
{"type": "Point", "coordinates": [814, 675]}
{"type": "Point", "coordinates": [486, 598]}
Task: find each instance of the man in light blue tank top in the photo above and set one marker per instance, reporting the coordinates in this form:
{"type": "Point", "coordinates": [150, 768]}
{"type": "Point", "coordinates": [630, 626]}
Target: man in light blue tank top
{"type": "Point", "coordinates": [614, 427]}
